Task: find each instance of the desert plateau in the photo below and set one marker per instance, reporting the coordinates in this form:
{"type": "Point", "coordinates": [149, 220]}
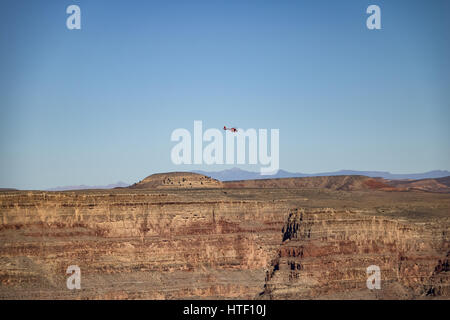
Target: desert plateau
{"type": "Point", "coordinates": [188, 236]}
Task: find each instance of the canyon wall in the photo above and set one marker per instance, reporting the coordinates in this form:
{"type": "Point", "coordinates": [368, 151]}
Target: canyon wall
{"type": "Point", "coordinates": [326, 253]}
{"type": "Point", "coordinates": [222, 243]}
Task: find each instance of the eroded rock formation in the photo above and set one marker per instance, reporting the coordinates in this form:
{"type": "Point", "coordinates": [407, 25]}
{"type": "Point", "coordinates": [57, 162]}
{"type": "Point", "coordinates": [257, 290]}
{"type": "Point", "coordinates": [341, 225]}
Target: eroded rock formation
{"type": "Point", "coordinates": [182, 180]}
{"type": "Point", "coordinates": [295, 243]}
{"type": "Point", "coordinates": [325, 253]}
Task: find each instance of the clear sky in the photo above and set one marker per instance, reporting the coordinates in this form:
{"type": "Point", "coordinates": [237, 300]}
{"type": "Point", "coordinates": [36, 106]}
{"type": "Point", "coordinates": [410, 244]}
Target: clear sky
{"type": "Point", "coordinates": [98, 105]}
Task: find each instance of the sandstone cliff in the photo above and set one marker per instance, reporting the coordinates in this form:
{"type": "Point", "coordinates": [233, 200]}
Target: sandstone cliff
{"type": "Point", "coordinates": [295, 243]}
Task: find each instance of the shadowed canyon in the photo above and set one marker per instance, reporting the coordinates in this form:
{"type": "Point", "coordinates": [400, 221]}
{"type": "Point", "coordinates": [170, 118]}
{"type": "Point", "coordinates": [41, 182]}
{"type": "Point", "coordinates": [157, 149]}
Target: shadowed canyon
{"type": "Point", "coordinates": [187, 236]}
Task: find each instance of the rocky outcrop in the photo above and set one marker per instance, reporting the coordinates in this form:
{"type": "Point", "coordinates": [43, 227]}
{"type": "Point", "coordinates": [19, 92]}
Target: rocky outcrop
{"type": "Point", "coordinates": [182, 180]}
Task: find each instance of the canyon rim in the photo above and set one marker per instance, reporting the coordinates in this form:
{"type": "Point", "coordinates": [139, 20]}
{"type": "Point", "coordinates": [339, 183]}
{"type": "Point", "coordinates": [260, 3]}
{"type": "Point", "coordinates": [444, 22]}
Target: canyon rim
{"type": "Point", "coordinates": [187, 236]}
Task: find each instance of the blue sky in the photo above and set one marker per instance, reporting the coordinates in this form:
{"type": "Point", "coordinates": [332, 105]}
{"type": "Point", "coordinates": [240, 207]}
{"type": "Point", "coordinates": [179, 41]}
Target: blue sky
{"type": "Point", "coordinates": [98, 105]}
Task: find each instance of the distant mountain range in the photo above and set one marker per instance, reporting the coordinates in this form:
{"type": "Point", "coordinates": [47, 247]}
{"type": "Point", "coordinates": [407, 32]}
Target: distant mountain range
{"type": "Point", "coordinates": [239, 174]}
{"type": "Point", "coordinates": [119, 184]}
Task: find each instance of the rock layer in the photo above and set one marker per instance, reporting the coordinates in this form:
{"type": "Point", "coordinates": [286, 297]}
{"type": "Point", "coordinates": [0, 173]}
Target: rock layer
{"type": "Point", "coordinates": [325, 253]}
{"type": "Point", "coordinates": [223, 243]}
{"type": "Point", "coordinates": [182, 180]}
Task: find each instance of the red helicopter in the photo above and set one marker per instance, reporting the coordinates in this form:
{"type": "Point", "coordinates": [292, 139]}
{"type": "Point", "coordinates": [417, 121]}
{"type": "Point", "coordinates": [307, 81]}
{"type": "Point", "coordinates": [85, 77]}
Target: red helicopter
{"type": "Point", "coordinates": [231, 129]}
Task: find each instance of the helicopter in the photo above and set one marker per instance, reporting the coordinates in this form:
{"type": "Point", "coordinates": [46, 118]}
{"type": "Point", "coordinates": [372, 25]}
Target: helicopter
{"type": "Point", "coordinates": [231, 129]}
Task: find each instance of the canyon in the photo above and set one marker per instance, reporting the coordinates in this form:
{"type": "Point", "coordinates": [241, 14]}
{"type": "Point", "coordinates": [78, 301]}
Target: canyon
{"type": "Point", "coordinates": [187, 236]}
